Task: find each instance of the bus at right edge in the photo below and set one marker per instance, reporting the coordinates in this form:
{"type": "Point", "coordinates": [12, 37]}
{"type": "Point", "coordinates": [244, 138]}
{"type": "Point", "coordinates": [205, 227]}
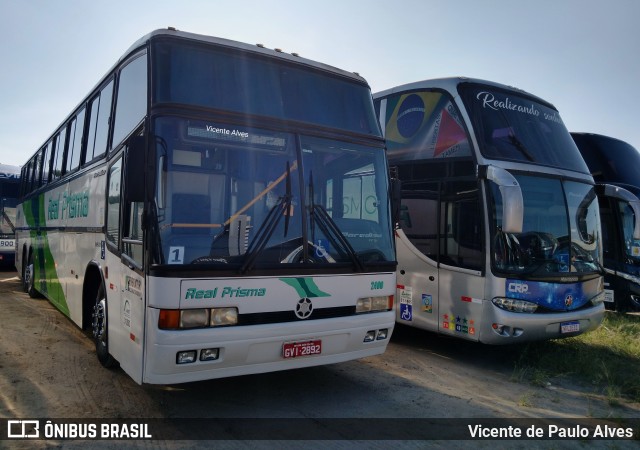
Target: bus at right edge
{"type": "Point", "coordinates": [614, 166]}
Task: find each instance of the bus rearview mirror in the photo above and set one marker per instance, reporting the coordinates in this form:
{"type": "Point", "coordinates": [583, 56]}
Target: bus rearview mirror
{"type": "Point", "coordinates": [134, 183]}
{"type": "Point", "coordinates": [513, 204]}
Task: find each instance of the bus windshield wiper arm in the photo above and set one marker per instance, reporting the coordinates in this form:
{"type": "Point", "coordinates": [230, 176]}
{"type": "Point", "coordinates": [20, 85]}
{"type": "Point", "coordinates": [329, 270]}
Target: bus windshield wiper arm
{"type": "Point", "coordinates": [330, 229]}
{"type": "Point", "coordinates": [6, 217]}
{"type": "Point", "coordinates": [517, 143]}
{"type": "Point", "coordinates": [538, 265]}
{"type": "Point", "coordinates": [267, 228]}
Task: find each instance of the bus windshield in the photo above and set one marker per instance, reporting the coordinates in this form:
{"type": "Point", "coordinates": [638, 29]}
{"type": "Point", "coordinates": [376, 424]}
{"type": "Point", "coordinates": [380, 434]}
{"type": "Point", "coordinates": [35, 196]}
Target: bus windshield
{"type": "Point", "coordinates": [238, 196]}
{"type": "Point", "coordinates": [8, 216]}
{"type": "Point", "coordinates": [253, 86]}
{"type": "Point", "coordinates": [9, 186]}
{"type": "Point", "coordinates": [516, 127]}
{"type": "Point", "coordinates": [561, 229]}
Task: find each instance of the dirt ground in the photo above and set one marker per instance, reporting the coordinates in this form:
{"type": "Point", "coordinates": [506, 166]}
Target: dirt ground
{"type": "Point", "coordinates": [48, 369]}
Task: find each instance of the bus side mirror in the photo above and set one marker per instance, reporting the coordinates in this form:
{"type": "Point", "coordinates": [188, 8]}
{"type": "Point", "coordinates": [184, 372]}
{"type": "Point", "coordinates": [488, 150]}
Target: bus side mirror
{"type": "Point", "coordinates": [134, 170]}
{"type": "Point", "coordinates": [513, 203]}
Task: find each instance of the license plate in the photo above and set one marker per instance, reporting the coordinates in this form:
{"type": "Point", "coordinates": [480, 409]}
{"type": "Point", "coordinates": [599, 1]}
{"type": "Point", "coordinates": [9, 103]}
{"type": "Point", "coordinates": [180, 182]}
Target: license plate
{"type": "Point", "coordinates": [569, 327]}
{"type": "Point", "coordinates": [307, 348]}
{"type": "Point", "coordinates": [608, 296]}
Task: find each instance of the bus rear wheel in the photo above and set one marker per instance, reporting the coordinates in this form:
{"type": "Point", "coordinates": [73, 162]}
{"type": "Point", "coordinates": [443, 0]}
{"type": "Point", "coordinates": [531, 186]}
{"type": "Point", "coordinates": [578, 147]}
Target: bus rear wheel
{"type": "Point", "coordinates": [26, 277]}
{"type": "Point", "coordinates": [29, 279]}
{"type": "Point", "coordinates": [100, 327]}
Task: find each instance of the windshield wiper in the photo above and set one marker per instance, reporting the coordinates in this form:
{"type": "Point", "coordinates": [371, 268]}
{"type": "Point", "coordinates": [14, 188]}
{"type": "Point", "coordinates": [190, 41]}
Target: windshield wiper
{"type": "Point", "coordinates": [517, 143]}
{"type": "Point", "coordinates": [330, 229]}
{"type": "Point", "coordinates": [268, 227]}
{"type": "Point", "coordinates": [11, 225]}
{"type": "Point", "coordinates": [539, 263]}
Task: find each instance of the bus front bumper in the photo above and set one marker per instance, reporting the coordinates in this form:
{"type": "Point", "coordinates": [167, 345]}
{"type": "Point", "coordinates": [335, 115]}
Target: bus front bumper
{"type": "Point", "coordinates": [505, 327]}
{"type": "Point", "coordinates": [254, 349]}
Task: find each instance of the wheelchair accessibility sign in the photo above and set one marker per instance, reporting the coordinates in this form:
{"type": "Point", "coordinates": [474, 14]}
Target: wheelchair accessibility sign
{"type": "Point", "coordinates": [406, 302]}
{"type": "Point", "coordinates": [321, 248]}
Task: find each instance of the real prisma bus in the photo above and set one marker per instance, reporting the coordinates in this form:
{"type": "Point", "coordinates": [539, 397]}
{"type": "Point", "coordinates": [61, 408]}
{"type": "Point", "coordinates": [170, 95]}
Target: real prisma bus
{"type": "Point", "coordinates": [212, 209]}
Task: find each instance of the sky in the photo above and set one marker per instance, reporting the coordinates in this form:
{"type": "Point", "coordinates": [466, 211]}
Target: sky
{"type": "Point", "coordinates": [580, 55]}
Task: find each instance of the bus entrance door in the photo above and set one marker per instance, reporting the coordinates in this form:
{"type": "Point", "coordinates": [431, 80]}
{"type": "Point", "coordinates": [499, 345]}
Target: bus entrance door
{"type": "Point", "coordinates": [417, 290]}
{"type": "Point", "coordinates": [461, 303]}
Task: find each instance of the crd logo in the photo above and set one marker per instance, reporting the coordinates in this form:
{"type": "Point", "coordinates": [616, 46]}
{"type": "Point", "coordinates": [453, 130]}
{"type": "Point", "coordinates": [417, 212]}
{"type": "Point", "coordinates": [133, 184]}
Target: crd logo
{"type": "Point", "coordinates": [518, 287]}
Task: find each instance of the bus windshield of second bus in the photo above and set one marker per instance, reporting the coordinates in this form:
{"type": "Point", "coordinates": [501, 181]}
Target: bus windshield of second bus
{"type": "Point", "coordinates": [9, 187]}
{"type": "Point", "coordinates": [499, 231]}
{"type": "Point", "coordinates": [513, 128]}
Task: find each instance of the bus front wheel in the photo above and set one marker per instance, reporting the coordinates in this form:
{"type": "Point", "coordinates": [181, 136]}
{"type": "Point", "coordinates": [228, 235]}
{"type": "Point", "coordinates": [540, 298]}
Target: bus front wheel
{"type": "Point", "coordinates": [100, 326]}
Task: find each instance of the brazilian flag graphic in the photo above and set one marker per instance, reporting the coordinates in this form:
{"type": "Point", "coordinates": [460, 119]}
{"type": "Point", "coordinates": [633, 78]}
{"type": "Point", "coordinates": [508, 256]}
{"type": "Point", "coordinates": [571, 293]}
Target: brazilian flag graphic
{"type": "Point", "coordinates": [424, 125]}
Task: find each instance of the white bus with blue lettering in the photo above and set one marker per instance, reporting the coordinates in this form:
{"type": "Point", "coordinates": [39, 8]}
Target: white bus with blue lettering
{"type": "Point", "coordinates": [212, 209]}
{"type": "Point", "coordinates": [499, 232]}
{"type": "Point", "coordinates": [9, 187]}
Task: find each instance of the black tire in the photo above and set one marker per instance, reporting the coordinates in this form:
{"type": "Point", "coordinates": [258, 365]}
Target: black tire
{"type": "Point", "coordinates": [29, 279]}
{"type": "Point", "coordinates": [25, 273]}
{"type": "Point", "coordinates": [100, 329]}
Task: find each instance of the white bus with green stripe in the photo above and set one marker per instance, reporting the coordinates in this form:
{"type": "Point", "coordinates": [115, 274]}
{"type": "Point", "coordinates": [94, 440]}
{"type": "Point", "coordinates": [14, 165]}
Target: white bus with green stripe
{"type": "Point", "coordinates": [213, 209]}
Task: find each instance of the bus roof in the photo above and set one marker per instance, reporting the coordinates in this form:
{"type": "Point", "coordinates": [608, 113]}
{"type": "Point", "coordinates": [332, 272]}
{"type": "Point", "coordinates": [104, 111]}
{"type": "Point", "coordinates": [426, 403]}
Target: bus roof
{"type": "Point", "coordinates": [451, 84]}
{"type": "Point", "coordinates": [173, 33]}
{"type": "Point", "coordinates": [599, 136]}
{"type": "Point", "coordinates": [610, 160]}
{"type": "Point", "coordinates": [7, 171]}
{"type": "Point", "coordinates": [257, 48]}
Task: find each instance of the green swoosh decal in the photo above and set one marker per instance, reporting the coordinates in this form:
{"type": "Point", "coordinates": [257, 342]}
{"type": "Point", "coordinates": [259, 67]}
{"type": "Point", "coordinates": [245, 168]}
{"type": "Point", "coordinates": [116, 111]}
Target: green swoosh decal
{"type": "Point", "coordinates": [305, 287]}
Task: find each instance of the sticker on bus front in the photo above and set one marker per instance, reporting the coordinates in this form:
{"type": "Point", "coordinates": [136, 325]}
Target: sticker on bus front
{"type": "Point", "coordinates": [176, 255]}
{"type": "Point", "coordinates": [406, 302]}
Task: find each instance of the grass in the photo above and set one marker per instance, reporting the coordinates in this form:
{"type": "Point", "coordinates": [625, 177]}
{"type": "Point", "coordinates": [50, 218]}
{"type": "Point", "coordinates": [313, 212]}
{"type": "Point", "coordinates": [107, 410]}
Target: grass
{"type": "Point", "coordinates": [607, 358]}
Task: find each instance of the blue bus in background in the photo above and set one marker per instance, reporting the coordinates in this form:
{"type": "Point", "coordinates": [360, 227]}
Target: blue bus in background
{"type": "Point", "coordinates": [614, 166]}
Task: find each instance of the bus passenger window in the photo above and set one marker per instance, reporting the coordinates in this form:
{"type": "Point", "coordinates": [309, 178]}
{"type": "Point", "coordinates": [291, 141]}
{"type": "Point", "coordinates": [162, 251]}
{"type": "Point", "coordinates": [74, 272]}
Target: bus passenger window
{"type": "Point", "coordinates": [75, 142]}
{"type": "Point", "coordinates": [60, 141]}
{"type": "Point", "coordinates": [131, 104]}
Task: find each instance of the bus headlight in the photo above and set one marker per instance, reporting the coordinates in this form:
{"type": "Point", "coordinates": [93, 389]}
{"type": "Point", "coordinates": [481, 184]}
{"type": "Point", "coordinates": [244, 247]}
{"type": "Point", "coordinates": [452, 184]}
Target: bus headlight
{"type": "Point", "coordinates": [370, 304]}
{"type": "Point", "coordinates": [224, 316]}
{"type": "Point", "coordinates": [193, 318]}
{"type": "Point", "coordinates": [514, 305]}
{"type": "Point", "coordinates": [181, 319]}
